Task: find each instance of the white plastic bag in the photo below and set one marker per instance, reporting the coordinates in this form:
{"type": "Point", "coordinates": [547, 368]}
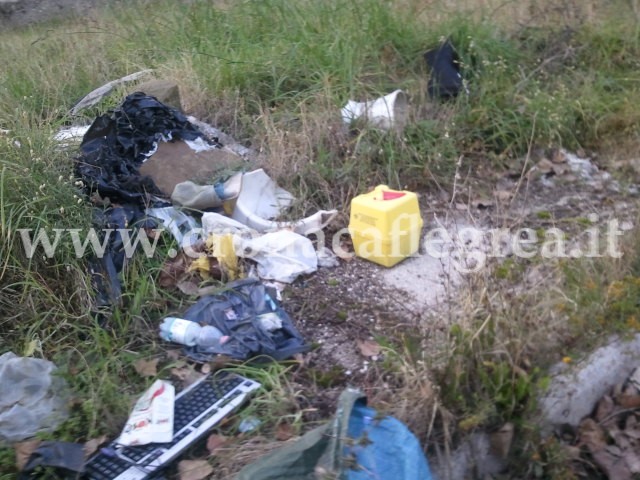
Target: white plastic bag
{"type": "Point", "coordinates": [281, 256]}
{"type": "Point", "coordinates": [31, 399]}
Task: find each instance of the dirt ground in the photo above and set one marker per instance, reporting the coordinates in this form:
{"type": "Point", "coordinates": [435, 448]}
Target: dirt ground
{"type": "Point", "coordinates": [358, 300]}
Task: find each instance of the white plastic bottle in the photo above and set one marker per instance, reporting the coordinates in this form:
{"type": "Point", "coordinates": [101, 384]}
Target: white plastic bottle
{"type": "Point", "coordinates": [210, 337]}
{"type": "Point", "coordinates": [179, 330]}
{"type": "Point", "coordinates": [190, 333]}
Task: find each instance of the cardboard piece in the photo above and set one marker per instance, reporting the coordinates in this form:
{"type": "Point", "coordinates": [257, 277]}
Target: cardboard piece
{"type": "Point", "coordinates": [165, 91]}
{"type": "Point", "coordinates": [176, 162]}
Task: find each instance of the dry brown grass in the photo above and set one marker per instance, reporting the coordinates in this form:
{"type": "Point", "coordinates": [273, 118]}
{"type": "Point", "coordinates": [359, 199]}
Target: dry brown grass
{"type": "Point", "coordinates": [516, 13]}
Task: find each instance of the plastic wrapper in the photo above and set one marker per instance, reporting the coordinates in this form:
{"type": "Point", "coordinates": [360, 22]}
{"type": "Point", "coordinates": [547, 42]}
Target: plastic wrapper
{"type": "Point", "coordinates": [32, 399]}
{"type": "Point", "coordinates": [152, 417]}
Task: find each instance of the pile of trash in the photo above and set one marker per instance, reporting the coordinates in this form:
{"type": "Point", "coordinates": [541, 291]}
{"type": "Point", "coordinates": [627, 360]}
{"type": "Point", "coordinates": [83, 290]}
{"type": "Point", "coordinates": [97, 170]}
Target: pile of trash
{"type": "Point", "coordinates": [391, 111]}
{"type": "Point", "coordinates": [146, 165]}
{"type": "Point", "coordinates": [148, 168]}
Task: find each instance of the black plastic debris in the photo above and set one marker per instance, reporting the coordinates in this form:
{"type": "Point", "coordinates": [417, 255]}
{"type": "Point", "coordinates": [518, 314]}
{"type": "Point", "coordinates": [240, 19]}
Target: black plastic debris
{"type": "Point", "coordinates": [241, 311]}
{"type": "Point", "coordinates": [111, 153]}
{"type": "Point", "coordinates": [118, 142]}
{"type": "Point", "coordinates": [67, 458]}
{"type": "Point", "coordinates": [112, 224]}
{"type": "Point", "coordinates": [446, 80]}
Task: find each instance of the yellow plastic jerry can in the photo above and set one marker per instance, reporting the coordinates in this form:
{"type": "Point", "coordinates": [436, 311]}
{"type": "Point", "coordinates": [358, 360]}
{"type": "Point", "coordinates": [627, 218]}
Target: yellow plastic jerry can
{"type": "Point", "coordinates": [385, 225]}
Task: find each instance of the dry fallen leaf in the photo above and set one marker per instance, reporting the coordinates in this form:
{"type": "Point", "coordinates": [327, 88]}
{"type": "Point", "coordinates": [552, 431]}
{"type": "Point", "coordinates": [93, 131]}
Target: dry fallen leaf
{"type": "Point", "coordinates": [194, 469]}
{"type": "Point", "coordinates": [558, 156]}
{"type": "Point", "coordinates": [592, 435]}
{"type": "Point", "coordinates": [146, 368]}
{"type": "Point", "coordinates": [594, 438]}
{"type": "Point", "coordinates": [188, 287]}
{"type": "Point", "coordinates": [572, 452]}
{"type": "Point", "coordinates": [90, 446]}
{"type": "Point", "coordinates": [632, 428]}
{"type": "Point", "coordinates": [604, 408]}
{"type": "Point", "coordinates": [368, 348]}
{"type": "Point", "coordinates": [632, 458]}
{"type": "Point", "coordinates": [23, 452]}
{"type": "Point", "coordinates": [215, 441]}
{"type": "Point", "coordinates": [186, 375]}
{"type": "Point", "coordinates": [173, 269]}
{"type": "Point", "coordinates": [283, 432]}
{"type": "Point", "coordinates": [629, 401]}
{"type": "Point", "coordinates": [613, 466]}
{"type": "Point", "coordinates": [620, 438]}
{"type": "Point", "coordinates": [544, 165]}
{"type": "Point", "coordinates": [174, 354]}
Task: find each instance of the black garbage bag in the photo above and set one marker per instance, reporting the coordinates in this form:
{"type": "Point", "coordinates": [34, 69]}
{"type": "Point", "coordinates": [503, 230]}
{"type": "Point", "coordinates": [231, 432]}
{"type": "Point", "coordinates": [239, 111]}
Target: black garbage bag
{"type": "Point", "coordinates": [104, 268]}
{"type": "Point", "coordinates": [446, 80]}
{"type": "Point", "coordinates": [237, 312]}
{"type": "Point", "coordinates": [118, 142]}
{"type": "Point", "coordinates": [111, 153]}
{"type": "Point", "coordinates": [67, 458]}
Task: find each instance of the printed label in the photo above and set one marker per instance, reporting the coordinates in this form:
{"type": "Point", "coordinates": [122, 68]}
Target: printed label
{"type": "Point", "coordinates": [230, 314]}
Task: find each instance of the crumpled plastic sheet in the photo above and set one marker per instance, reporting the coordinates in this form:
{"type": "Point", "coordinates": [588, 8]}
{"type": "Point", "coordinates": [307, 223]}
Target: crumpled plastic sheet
{"type": "Point", "coordinates": [235, 311]}
{"type": "Point", "coordinates": [32, 400]}
{"type": "Point", "coordinates": [105, 268]}
{"type": "Point", "coordinates": [281, 256]}
{"type": "Point", "coordinates": [65, 456]}
{"type": "Point", "coordinates": [359, 443]}
{"type": "Point", "coordinates": [445, 81]}
{"type": "Point", "coordinates": [119, 142]}
{"type": "Point", "coordinates": [111, 153]}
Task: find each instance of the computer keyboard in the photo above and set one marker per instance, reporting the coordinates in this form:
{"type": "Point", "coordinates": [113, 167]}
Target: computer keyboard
{"type": "Point", "coordinates": [197, 408]}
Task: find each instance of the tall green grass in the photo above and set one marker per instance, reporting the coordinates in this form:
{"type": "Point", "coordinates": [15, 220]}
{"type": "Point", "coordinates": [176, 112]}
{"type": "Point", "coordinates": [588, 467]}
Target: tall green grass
{"type": "Point", "coordinates": [552, 86]}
